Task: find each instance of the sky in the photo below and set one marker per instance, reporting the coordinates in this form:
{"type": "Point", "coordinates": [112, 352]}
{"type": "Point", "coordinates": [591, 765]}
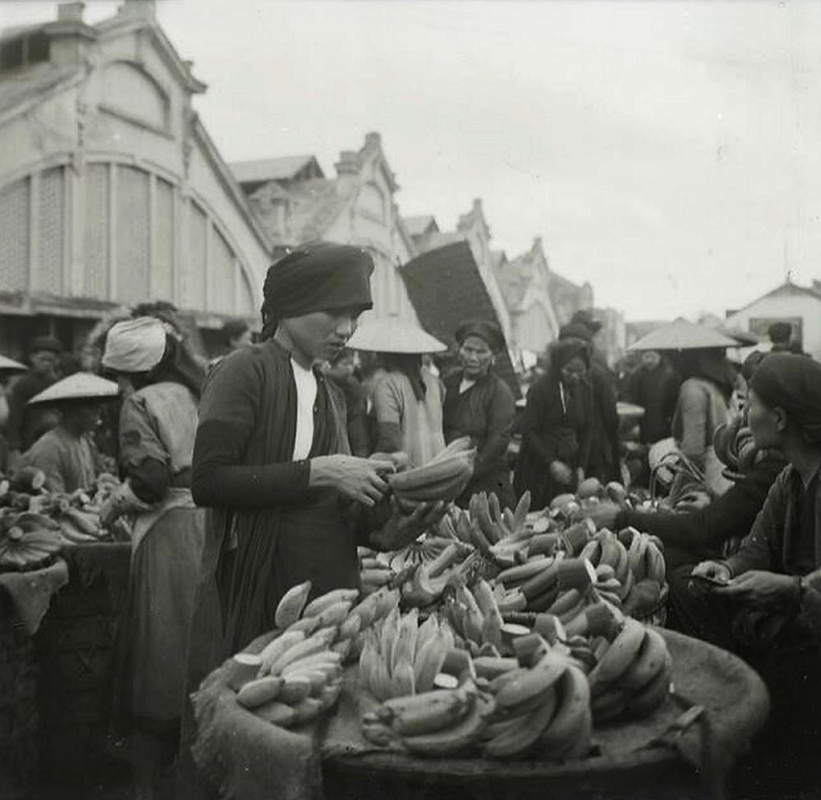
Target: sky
{"type": "Point", "coordinates": [668, 152]}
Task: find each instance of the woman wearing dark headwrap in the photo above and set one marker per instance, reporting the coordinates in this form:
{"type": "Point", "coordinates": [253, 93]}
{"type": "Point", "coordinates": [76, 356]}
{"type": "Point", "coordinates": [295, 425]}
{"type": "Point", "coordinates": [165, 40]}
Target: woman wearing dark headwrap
{"type": "Point", "coordinates": [479, 404]}
{"type": "Point", "coordinates": [161, 386]}
{"type": "Point", "coordinates": [272, 459]}
{"type": "Point", "coordinates": [760, 611]}
{"type": "Point", "coordinates": [555, 426]}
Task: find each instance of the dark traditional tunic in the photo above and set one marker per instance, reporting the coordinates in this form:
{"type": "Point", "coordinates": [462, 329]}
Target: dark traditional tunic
{"type": "Point", "coordinates": [267, 530]}
{"type": "Point", "coordinates": [485, 413]}
{"type": "Point", "coordinates": [552, 431]}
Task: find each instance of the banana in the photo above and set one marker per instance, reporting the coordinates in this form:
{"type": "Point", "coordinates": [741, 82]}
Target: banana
{"type": "Point", "coordinates": [518, 739]}
{"type": "Point", "coordinates": [573, 613]}
{"type": "Point", "coordinates": [459, 445]}
{"type": "Point", "coordinates": [609, 705]}
{"type": "Point", "coordinates": [242, 669]}
{"type": "Point", "coordinates": [514, 600]}
{"type": "Point", "coordinates": [273, 651]}
{"type": "Point", "coordinates": [335, 614]}
{"type": "Point", "coordinates": [431, 712]}
{"type": "Point", "coordinates": [650, 660]}
{"type": "Point", "coordinates": [446, 489]}
{"type": "Point", "coordinates": [609, 550]}
{"type": "Point", "coordinates": [351, 626]}
{"type": "Point", "coordinates": [320, 641]}
{"type": "Point", "coordinates": [326, 660]}
{"type": "Point", "coordinates": [433, 474]}
{"type": "Point", "coordinates": [344, 647]}
{"type": "Point", "coordinates": [652, 695]}
{"type": "Point", "coordinates": [378, 733]}
{"type": "Point", "coordinates": [624, 589]}
{"type": "Point", "coordinates": [330, 694]}
{"type": "Point", "coordinates": [654, 564]}
{"type": "Point", "coordinates": [486, 600]}
{"type": "Point", "coordinates": [318, 679]}
{"type": "Point", "coordinates": [522, 572]}
{"type": "Point", "coordinates": [531, 682]}
{"type": "Point", "coordinates": [276, 713]}
{"type": "Point", "coordinates": [540, 583]}
{"type": "Point", "coordinates": [619, 655]}
{"type": "Point", "coordinates": [622, 566]}
{"type": "Point", "coordinates": [592, 551]}
{"type": "Point", "coordinates": [381, 685]}
{"type": "Point", "coordinates": [460, 737]}
{"type": "Point", "coordinates": [404, 644]}
{"type": "Point", "coordinates": [604, 573]}
{"type": "Point", "coordinates": [543, 601]}
{"type": "Point", "coordinates": [367, 608]}
{"type": "Point", "coordinates": [520, 514]}
{"type": "Point", "coordinates": [578, 746]}
{"type": "Point", "coordinates": [566, 601]}
{"type": "Point", "coordinates": [491, 667]}
{"type": "Point", "coordinates": [573, 708]}
{"type": "Point", "coordinates": [294, 689]}
{"type": "Point", "coordinates": [290, 607]}
{"type": "Point", "coordinates": [258, 692]}
{"type": "Point", "coordinates": [428, 630]}
{"type": "Point", "coordinates": [635, 557]}
{"type": "Point", "coordinates": [402, 678]}
{"type": "Point", "coordinates": [320, 604]}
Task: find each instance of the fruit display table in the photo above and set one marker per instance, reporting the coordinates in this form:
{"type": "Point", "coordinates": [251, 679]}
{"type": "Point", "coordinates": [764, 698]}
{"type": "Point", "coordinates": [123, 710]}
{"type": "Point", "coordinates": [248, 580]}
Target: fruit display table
{"type": "Point", "coordinates": [671, 753]}
{"type": "Point", "coordinates": [73, 649]}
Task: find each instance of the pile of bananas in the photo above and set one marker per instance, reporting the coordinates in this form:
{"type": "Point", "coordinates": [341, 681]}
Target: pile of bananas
{"type": "Point", "coordinates": [400, 657]}
{"type": "Point", "coordinates": [28, 541]}
{"type": "Point", "coordinates": [633, 675]}
{"type": "Point", "coordinates": [443, 478]}
{"type": "Point", "coordinates": [298, 675]}
{"type": "Point", "coordinates": [446, 722]}
{"type": "Point", "coordinates": [542, 708]}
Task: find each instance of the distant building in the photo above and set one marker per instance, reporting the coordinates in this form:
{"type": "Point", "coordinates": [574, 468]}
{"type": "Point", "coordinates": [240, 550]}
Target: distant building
{"type": "Point", "coordinates": [473, 229]}
{"type": "Point", "coordinates": [111, 190]}
{"type": "Point", "coordinates": [525, 285]}
{"type": "Point", "coordinates": [296, 203]}
{"type": "Point", "coordinates": [797, 305]}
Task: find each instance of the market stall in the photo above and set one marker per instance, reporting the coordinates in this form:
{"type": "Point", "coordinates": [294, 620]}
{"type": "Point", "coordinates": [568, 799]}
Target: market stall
{"type": "Point", "coordinates": [499, 654]}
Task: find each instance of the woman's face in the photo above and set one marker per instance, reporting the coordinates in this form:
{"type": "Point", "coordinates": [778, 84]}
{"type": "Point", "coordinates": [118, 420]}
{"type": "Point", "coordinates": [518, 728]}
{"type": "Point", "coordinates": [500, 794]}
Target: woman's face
{"type": "Point", "coordinates": [574, 370]}
{"type": "Point", "coordinates": [476, 357]}
{"type": "Point", "coordinates": [767, 424]}
{"type": "Point", "coordinates": [322, 335]}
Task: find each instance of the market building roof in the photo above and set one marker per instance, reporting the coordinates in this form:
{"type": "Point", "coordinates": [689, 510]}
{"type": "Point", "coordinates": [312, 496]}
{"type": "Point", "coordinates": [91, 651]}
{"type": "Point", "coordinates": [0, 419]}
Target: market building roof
{"type": "Point", "coordinates": [286, 168]}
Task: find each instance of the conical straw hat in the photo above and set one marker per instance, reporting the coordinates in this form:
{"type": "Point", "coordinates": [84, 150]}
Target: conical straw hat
{"type": "Point", "coordinates": [394, 336]}
{"type": "Point", "coordinates": [10, 365]}
{"type": "Point", "coordinates": [80, 386]}
{"type": "Point", "coordinates": [683, 335]}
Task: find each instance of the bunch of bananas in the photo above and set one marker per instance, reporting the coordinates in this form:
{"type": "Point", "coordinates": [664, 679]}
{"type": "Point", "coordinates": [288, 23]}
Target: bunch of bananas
{"type": "Point", "coordinates": [542, 708]}
{"type": "Point", "coordinates": [400, 657]}
{"type": "Point", "coordinates": [443, 478]}
{"type": "Point", "coordinates": [28, 541]}
{"type": "Point", "coordinates": [474, 614]}
{"type": "Point", "coordinates": [633, 674]}
{"type": "Point", "coordinates": [445, 722]}
{"type": "Point", "coordinates": [374, 570]}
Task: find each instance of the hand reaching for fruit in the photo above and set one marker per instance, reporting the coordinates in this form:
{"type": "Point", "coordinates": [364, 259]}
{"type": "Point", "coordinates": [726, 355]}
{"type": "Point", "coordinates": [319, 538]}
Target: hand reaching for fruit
{"type": "Point", "coordinates": [407, 521]}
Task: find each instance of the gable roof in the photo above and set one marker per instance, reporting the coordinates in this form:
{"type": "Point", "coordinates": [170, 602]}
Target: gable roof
{"type": "Point", "coordinates": [446, 290]}
{"type": "Point", "coordinates": [420, 225]}
{"type": "Point", "coordinates": [274, 169]}
{"type": "Point", "coordinates": [788, 288]}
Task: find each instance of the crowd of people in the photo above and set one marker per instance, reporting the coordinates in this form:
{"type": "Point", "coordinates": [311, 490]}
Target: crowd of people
{"type": "Point", "coordinates": [273, 439]}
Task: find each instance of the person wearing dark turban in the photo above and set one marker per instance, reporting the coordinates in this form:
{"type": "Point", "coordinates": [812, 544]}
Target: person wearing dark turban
{"type": "Point", "coordinates": [480, 405]}
{"type": "Point", "coordinates": [605, 447]}
{"type": "Point", "coordinates": [288, 503]}
{"type": "Point", "coordinates": [759, 612]}
{"type": "Point", "coordinates": [556, 426]}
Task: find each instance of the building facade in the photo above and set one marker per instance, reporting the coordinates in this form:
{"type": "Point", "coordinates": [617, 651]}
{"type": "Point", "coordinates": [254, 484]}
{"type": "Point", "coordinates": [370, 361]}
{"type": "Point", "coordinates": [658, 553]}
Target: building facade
{"type": "Point", "coordinates": [295, 203]}
{"type": "Point", "coordinates": [111, 191]}
{"type": "Point", "coordinates": [797, 305]}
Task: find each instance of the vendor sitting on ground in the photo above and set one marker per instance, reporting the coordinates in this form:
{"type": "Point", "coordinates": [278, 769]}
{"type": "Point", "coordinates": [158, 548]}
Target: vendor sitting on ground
{"type": "Point", "coordinates": [757, 612]}
{"type": "Point", "coordinates": [67, 453]}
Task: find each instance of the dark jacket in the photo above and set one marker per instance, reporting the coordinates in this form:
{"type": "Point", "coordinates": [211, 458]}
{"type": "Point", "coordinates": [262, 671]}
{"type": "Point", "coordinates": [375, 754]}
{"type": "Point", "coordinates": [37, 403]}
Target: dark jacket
{"type": "Point", "coordinates": [551, 432]}
{"type": "Point", "coordinates": [656, 391]}
{"type": "Point", "coordinates": [774, 541]}
{"type": "Point", "coordinates": [702, 532]}
{"type": "Point", "coordinates": [604, 462]}
{"type": "Point", "coordinates": [485, 413]}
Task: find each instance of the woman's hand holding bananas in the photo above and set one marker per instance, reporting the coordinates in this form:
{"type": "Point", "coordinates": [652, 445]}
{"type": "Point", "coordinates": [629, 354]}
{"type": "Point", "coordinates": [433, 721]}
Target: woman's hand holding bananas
{"type": "Point", "coordinates": [406, 523]}
{"type": "Point", "coordinates": [353, 477]}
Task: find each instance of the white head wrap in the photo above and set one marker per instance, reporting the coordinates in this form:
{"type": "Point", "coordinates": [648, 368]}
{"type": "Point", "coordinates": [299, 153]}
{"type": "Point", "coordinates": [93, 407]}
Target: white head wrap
{"type": "Point", "coordinates": [135, 345]}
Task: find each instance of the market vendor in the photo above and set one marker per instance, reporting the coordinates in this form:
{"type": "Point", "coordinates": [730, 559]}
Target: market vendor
{"type": "Point", "coordinates": [479, 404]}
{"type": "Point", "coordinates": [556, 425]}
{"type": "Point", "coordinates": [67, 454]}
{"type": "Point", "coordinates": [757, 612]}
{"type": "Point", "coordinates": [272, 460]}
{"type": "Point", "coordinates": [407, 398]}
{"type": "Point", "coordinates": [161, 385]}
